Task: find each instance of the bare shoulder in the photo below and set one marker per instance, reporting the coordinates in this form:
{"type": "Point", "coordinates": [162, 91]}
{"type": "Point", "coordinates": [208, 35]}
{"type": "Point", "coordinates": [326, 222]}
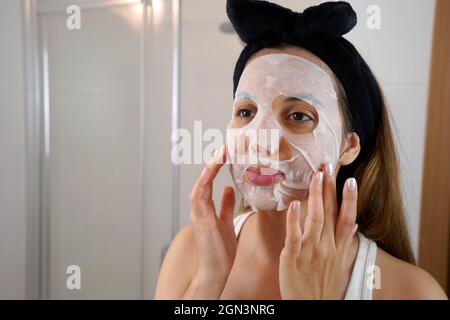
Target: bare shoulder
{"type": "Point", "coordinates": [403, 281]}
{"type": "Point", "coordinates": [178, 266]}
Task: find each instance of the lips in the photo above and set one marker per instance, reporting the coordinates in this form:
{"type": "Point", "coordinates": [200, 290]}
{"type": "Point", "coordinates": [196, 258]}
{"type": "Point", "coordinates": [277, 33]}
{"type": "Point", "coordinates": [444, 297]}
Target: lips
{"type": "Point", "coordinates": [264, 176]}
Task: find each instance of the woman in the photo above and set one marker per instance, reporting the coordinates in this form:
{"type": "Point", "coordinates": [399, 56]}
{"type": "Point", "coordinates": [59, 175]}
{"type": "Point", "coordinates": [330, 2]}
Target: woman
{"type": "Point", "coordinates": [300, 240]}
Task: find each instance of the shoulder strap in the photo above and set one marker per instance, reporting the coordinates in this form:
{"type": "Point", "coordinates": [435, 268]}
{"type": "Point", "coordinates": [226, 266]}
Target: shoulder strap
{"type": "Point", "coordinates": [239, 222]}
{"type": "Point", "coordinates": [370, 268]}
{"type": "Point", "coordinates": [358, 288]}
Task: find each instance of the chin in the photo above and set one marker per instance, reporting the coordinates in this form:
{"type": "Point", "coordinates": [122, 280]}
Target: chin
{"type": "Point", "coordinates": [266, 208]}
{"type": "Point", "coordinates": [263, 198]}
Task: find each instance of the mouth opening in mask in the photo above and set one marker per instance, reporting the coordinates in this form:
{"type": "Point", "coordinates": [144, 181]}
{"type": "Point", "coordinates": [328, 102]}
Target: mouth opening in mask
{"type": "Point", "coordinates": [263, 176]}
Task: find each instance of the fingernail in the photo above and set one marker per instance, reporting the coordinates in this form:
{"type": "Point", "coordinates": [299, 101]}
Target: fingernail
{"type": "Point", "coordinates": [319, 178]}
{"type": "Point", "coordinates": [329, 169]}
{"type": "Point", "coordinates": [351, 184]}
{"type": "Point", "coordinates": [355, 228]}
{"type": "Point", "coordinates": [296, 206]}
{"type": "Point", "coordinates": [216, 153]}
{"type": "Point", "coordinates": [219, 154]}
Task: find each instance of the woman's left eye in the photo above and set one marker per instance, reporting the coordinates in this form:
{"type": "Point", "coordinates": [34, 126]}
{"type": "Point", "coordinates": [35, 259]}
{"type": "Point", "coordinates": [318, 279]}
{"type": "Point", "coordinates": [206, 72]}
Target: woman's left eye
{"type": "Point", "coordinates": [299, 116]}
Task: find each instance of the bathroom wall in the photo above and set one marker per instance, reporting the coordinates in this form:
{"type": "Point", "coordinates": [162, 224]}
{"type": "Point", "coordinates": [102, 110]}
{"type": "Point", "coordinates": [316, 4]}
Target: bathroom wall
{"type": "Point", "coordinates": [12, 153]}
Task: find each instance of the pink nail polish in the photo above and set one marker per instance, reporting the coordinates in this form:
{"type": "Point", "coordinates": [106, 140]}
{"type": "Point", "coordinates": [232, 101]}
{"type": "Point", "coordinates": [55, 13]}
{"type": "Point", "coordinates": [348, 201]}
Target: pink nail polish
{"type": "Point", "coordinates": [220, 154]}
{"type": "Point", "coordinates": [329, 169]}
{"type": "Point", "coordinates": [296, 206]}
{"type": "Point", "coordinates": [351, 184]}
{"type": "Point", "coordinates": [319, 178]}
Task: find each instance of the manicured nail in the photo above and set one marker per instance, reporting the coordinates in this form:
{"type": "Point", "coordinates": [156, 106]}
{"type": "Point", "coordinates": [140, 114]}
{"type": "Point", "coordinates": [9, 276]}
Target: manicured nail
{"type": "Point", "coordinates": [296, 206]}
{"type": "Point", "coordinates": [355, 228]}
{"type": "Point", "coordinates": [217, 155]}
{"type": "Point", "coordinates": [319, 178]}
{"type": "Point", "coordinates": [329, 169]}
{"type": "Point", "coordinates": [351, 184]}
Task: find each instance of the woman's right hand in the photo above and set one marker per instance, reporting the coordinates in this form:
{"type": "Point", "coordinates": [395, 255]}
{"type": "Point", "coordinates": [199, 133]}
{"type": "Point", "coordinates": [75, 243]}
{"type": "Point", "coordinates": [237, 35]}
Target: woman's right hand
{"type": "Point", "coordinates": [214, 235]}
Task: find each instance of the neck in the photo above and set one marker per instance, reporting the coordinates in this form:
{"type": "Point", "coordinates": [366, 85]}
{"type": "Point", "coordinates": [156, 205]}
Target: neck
{"type": "Point", "coordinates": [270, 231]}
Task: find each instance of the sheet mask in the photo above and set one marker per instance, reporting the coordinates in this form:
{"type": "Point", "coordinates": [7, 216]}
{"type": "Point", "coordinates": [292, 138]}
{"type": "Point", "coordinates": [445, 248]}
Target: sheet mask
{"type": "Point", "coordinates": [263, 80]}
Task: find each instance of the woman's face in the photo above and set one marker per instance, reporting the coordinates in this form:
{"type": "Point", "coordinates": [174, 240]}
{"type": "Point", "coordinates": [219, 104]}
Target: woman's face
{"type": "Point", "coordinates": [286, 123]}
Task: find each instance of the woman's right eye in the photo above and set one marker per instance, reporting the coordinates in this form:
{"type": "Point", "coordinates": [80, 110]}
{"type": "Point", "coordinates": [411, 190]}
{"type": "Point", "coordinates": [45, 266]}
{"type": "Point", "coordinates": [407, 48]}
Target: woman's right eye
{"type": "Point", "coordinates": [244, 113]}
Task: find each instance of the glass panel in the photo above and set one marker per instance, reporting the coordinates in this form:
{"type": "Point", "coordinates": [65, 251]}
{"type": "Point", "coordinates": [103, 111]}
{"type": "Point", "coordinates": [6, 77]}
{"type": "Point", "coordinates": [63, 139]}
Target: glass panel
{"type": "Point", "coordinates": [94, 206]}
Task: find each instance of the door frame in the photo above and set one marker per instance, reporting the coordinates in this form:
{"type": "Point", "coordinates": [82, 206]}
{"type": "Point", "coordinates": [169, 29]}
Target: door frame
{"type": "Point", "coordinates": [435, 205]}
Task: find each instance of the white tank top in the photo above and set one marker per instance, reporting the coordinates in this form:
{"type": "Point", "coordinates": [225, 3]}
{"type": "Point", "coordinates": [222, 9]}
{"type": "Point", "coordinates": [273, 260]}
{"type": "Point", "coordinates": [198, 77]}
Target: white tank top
{"type": "Point", "coordinates": [358, 288]}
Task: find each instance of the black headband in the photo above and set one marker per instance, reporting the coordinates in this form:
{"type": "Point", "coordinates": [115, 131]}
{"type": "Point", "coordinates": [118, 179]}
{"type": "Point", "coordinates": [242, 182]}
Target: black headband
{"type": "Point", "coordinates": [319, 29]}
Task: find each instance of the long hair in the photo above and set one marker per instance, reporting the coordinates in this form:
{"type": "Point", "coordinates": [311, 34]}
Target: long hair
{"type": "Point", "coordinates": [380, 213]}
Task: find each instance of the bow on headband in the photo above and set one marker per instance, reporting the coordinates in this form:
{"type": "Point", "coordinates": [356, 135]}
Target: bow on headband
{"type": "Point", "coordinates": [256, 19]}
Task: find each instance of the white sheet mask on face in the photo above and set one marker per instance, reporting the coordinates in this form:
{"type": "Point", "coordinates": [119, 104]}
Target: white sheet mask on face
{"type": "Point", "coordinates": [262, 81]}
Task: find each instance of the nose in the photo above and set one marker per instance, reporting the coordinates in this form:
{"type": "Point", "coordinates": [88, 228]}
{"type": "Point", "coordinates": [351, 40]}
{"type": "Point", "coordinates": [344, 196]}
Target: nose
{"type": "Point", "coordinates": [264, 140]}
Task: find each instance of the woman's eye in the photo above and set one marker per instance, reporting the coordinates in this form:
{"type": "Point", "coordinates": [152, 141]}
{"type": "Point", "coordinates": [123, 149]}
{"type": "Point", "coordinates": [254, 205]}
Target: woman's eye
{"type": "Point", "coordinates": [244, 113]}
{"type": "Point", "coordinates": [299, 116]}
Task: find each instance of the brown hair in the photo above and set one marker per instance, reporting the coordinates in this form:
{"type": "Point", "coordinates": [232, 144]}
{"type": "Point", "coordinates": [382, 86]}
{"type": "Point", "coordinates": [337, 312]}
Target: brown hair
{"type": "Point", "coordinates": [380, 213]}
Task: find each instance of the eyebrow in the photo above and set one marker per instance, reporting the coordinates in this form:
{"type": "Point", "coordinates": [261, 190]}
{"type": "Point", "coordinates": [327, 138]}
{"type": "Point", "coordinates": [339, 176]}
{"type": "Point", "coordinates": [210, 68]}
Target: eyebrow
{"type": "Point", "coordinates": [306, 98]}
{"type": "Point", "coordinates": [245, 94]}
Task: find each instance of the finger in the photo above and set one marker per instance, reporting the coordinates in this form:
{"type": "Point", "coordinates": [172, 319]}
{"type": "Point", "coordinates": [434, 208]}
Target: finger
{"type": "Point", "coordinates": [329, 203]}
{"type": "Point", "coordinates": [293, 240]}
{"type": "Point", "coordinates": [212, 169]}
{"type": "Point", "coordinates": [217, 161]}
{"type": "Point", "coordinates": [315, 216]}
{"type": "Point", "coordinates": [226, 218]}
{"type": "Point", "coordinates": [346, 221]}
{"type": "Point", "coordinates": [200, 203]}
{"type": "Point", "coordinates": [202, 190]}
{"type": "Point", "coordinates": [227, 205]}
{"type": "Point", "coordinates": [292, 243]}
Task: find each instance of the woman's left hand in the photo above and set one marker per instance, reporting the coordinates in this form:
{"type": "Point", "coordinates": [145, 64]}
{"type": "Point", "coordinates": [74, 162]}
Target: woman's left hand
{"type": "Point", "coordinates": [314, 261]}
